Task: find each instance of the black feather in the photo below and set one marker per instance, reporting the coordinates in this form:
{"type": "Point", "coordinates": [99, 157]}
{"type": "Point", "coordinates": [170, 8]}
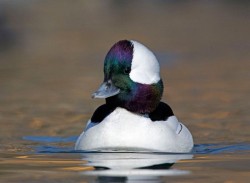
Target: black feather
{"type": "Point", "coordinates": [161, 113]}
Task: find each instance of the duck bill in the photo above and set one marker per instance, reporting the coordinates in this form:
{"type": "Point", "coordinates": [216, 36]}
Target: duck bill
{"type": "Point", "coordinates": [107, 89]}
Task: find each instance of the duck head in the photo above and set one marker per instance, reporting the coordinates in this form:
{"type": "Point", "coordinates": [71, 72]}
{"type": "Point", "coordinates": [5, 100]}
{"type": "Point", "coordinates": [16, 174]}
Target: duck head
{"type": "Point", "coordinates": [131, 78]}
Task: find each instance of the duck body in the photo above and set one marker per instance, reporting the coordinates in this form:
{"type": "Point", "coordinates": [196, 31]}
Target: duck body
{"type": "Point", "coordinates": [123, 130]}
{"type": "Point", "coordinates": [133, 117]}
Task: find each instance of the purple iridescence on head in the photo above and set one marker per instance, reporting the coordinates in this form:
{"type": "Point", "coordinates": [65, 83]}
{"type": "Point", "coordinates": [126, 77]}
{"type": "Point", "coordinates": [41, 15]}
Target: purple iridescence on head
{"type": "Point", "coordinates": [120, 53]}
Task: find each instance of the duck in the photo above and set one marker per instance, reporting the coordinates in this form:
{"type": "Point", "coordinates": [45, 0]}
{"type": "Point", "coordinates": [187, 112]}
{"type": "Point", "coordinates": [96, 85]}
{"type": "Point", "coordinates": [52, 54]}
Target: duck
{"type": "Point", "coordinates": [133, 117]}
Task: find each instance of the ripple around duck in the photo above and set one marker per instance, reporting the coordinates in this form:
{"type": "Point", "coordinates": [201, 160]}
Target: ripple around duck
{"type": "Point", "coordinates": [51, 146]}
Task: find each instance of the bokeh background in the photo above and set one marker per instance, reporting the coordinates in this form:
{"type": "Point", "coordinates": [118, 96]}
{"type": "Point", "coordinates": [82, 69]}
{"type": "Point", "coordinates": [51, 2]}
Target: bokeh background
{"type": "Point", "coordinates": [52, 52]}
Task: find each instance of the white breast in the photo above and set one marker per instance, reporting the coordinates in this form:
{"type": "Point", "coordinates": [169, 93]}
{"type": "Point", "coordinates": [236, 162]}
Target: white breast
{"type": "Point", "coordinates": [123, 130]}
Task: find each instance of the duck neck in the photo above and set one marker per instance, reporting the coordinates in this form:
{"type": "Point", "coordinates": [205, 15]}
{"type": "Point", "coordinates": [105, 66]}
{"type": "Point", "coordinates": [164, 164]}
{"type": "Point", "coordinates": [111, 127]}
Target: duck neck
{"type": "Point", "coordinates": [143, 99]}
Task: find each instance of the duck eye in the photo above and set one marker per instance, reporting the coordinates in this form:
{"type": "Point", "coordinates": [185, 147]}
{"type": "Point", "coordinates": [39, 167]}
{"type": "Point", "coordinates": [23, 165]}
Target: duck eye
{"type": "Point", "coordinates": [127, 70]}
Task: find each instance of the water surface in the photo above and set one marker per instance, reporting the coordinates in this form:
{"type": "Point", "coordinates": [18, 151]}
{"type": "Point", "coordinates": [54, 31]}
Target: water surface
{"type": "Point", "coordinates": [48, 161]}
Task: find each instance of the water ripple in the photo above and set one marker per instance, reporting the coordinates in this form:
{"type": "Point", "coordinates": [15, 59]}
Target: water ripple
{"type": "Point", "coordinates": [51, 146]}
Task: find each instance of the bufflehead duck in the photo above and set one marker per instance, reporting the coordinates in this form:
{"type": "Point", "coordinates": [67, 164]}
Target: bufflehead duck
{"type": "Point", "coordinates": [133, 118]}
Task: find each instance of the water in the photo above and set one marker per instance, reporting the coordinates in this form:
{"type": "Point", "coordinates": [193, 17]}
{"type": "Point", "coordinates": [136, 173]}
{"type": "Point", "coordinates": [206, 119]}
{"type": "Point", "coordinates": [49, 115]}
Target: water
{"type": "Point", "coordinates": [51, 58]}
{"type": "Point", "coordinates": [198, 148]}
{"type": "Point", "coordinates": [48, 162]}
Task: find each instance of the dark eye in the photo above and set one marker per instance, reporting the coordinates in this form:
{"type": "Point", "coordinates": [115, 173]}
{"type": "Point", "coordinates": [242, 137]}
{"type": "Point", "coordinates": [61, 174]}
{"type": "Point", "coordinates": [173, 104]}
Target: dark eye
{"type": "Point", "coordinates": [127, 70]}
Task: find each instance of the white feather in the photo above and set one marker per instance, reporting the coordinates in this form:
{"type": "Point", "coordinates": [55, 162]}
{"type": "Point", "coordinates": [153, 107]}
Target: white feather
{"type": "Point", "coordinates": [145, 68]}
{"type": "Point", "coordinates": [123, 130]}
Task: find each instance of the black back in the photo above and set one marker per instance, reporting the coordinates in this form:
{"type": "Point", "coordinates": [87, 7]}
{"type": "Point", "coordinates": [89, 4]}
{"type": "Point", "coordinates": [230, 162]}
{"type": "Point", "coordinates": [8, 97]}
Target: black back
{"type": "Point", "coordinates": [101, 112]}
{"type": "Point", "coordinates": [161, 113]}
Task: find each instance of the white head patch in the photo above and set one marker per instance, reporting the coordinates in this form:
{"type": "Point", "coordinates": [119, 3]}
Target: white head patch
{"type": "Point", "coordinates": [145, 68]}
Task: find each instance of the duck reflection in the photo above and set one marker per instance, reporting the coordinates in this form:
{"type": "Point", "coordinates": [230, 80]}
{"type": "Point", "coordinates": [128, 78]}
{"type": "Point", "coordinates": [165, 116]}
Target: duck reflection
{"type": "Point", "coordinates": [133, 167]}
